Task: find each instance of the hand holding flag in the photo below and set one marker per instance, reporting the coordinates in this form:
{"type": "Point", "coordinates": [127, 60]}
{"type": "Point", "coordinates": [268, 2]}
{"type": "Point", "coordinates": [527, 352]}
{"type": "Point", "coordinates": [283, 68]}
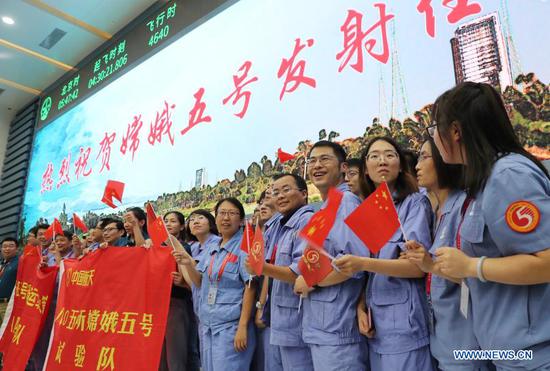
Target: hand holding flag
{"type": "Point", "coordinates": [248, 237]}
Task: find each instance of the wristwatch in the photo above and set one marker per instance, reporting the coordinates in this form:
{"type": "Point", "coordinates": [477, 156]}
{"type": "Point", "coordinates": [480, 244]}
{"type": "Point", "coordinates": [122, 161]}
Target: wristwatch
{"type": "Point", "coordinates": [259, 305]}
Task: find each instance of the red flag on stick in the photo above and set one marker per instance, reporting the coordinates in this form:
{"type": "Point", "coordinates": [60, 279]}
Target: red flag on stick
{"type": "Point", "coordinates": [248, 237]}
{"type": "Point", "coordinates": [314, 266]}
{"type": "Point", "coordinates": [155, 227]}
{"type": "Point", "coordinates": [320, 224]}
{"type": "Point", "coordinates": [375, 220]}
{"type": "Point", "coordinates": [284, 156]}
{"type": "Point", "coordinates": [54, 229]}
{"type": "Point", "coordinates": [78, 223]}
{"type": "Point", "coordinates": [113, 189]}
{"type": "Point", "coordinates": [256, 252]}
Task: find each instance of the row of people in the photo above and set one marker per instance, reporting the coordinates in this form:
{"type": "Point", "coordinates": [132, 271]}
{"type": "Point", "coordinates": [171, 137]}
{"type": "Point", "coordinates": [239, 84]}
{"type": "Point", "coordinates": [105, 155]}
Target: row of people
{"type": "Point", "coordinates": [485, 237]}
{"type": "Point", "coordinates": [476, 228]}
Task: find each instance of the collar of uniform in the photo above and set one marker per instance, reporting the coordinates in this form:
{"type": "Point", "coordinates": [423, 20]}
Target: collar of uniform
{"type": "Point", "coordinates": [276, 217]}
{"type": "Point", "coordinates": [230, 245]}
{"type": "Point", "coordinates": [451, 200]}
{"type": "Point", "coordinates": [342, 187]}
{"type": "Point", "coordinates": [296, 215]}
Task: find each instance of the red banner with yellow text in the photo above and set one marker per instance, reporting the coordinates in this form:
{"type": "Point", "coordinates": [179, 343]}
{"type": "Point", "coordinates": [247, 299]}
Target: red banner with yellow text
{"type": "Point", "coordinates": [111, 310]}
{"type": "Point", "coordinates": [27, 310]}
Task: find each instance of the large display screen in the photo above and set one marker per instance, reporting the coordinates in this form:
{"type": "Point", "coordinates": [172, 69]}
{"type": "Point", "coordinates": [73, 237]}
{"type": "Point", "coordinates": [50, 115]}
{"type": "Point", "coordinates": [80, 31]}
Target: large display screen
{"type": "Point", "coordinates": [204, 117]}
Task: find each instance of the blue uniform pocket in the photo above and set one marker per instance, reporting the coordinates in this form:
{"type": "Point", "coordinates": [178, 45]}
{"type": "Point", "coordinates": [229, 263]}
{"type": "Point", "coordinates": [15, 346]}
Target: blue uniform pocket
{"type": "Point", "coordinates": [390, 296]}
{"type": "Point", "coordinates": [472, 228]}
{"type": "Point", "coordinates": [229, 296]}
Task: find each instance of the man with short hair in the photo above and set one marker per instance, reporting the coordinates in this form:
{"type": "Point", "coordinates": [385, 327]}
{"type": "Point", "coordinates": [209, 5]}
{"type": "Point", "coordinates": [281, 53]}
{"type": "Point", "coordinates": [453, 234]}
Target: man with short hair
{"type": "Point", "coordinates": [8, 272]}
{"type": "Point", "coordinates": [329, 319]}
{"type": "Point", "coordinates": [290, 194]}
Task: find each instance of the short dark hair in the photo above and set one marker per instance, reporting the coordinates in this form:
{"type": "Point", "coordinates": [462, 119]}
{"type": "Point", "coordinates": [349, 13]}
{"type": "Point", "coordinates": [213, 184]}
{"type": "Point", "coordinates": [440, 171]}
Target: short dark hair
{"type": "Point", "coordinates": [486, 130]}
{"type": "Point", "coordinates": [119, 223]}
{"type": "Point", "coordinates": [448, 175]}
{"type": "Point", "coordinates": [211, 222]}
{"type": "Point", "coordinates": [10, 239]}
{"type": "Point", "coordinates": [42, 226]}
{"type": "Point", "coordinates": [405, 184]}
{"type": "Point", "coordinates": [354, 162]}
{"type": "Point", "coordinates": [67, 234]}
{"type": "Point", "coordinates": [181, 219]}
{"type": "Point", "coordinates": [140, 216]}
{"type": "Point", "coordinates": [261, 198]}
{"type": "Point", "coordinates": [300, 182]}
{"type": "Point", "coordinates": [338, 150]}
{"type": "Point", "coordinates": [234, 202]}
{"type": "Point", "coordinates": [33, 230]}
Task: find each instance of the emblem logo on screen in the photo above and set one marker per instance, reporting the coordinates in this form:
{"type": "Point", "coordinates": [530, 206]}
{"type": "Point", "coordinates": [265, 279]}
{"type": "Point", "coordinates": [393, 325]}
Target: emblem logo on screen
{"type": "Point", "coordinates": [45, 109]}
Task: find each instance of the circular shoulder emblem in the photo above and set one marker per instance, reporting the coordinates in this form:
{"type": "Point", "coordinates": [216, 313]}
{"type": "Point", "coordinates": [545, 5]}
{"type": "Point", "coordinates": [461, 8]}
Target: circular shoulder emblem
{"type": "Point", "coordinates": [522, 216]}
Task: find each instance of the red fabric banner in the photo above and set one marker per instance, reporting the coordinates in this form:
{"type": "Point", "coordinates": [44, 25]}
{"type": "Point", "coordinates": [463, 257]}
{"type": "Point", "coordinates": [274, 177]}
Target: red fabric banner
{"type": "Point", "coordinates": [27, 310]}
{"type": "Point", "coordinates": [111, 310]}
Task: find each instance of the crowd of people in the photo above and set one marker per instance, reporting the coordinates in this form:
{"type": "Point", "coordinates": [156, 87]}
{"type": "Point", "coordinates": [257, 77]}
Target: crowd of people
{"type": "Point", "coordinates": [469, 269]}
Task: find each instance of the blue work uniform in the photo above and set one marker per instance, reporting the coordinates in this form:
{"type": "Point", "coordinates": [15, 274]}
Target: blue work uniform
{"type": "Point", "coordinates": [515, 317]}
{"type": "Point", "coordinates": [398, 305]}
{"type": "Point", "coordinates": [197, 251]}
{"type": "Point", "coordinates": [445, 298]}
{"type": "Point", "coordinates": [286, 324]}
{"type": "Point", "coordinates": [329, 324]}
{"type": "Point", "coordinates": [224, 277]}
{"type": "Point", "coordinates": [267, 357]}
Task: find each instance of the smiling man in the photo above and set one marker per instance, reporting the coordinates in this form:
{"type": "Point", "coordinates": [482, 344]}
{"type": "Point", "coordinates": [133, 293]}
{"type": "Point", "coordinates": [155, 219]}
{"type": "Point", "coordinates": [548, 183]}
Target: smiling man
{"type": "Point", "coordinates": [329, 323]}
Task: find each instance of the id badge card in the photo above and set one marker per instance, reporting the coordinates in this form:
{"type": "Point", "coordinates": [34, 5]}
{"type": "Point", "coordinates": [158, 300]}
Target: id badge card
{"type": "Point", "coordinates": [212, 292]}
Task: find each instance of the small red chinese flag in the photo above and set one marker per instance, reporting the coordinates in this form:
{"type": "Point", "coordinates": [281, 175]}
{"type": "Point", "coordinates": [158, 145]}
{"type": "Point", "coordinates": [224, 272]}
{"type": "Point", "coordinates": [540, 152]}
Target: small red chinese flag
{"type": "Point", "coordinates": [256, 253]}
{"type": "Point", "coordinates": [320, 224]}
{"type": "Point", "coordinates": [284, 156]}
{"type": "Point", "coordinates": [375, 220]}
{"type": "Point", "coordinates": [78, 223]}
{"type": "Point", "coordinates": [54, 229]}
{"type": "Point", "coordinates": [113, 189]}
{"type": "Point", "coordinates": [248, 237]}
{"type": "Point", "coordinates": [314, 266]}
{"type": "Point", "coordinates": [155, 227]}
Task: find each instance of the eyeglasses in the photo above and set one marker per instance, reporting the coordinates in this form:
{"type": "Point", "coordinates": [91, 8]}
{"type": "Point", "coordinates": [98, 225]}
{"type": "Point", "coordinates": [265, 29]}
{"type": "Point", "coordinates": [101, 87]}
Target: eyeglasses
{"type": "Point", "coordinates": [431, 129]}
{"type": "Point", "coordinates": [284, 191]}
{"type": "Point", "coordinates": [324, 160]}
{"type": "Point", "coordinates": [377, 156]}
{"type": "Point", "coordinates": [230, 213]}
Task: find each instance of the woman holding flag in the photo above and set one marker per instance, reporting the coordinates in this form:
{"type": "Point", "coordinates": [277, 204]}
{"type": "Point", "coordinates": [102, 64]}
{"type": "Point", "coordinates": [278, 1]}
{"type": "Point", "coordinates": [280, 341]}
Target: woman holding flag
{"type": "Point", "coordinates": [444, 182]}
{"type": "Point", "coordinates": [227, 299]}
{"type": "Point", "coordinates": [177, 351]}
{"type": "Point", "coordinates": [504, 254]}
{"type": "Point", "coordinates": [395, 295]}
